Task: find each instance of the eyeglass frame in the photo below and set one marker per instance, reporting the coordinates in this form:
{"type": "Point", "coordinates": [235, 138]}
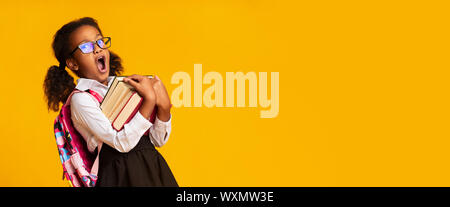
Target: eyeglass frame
{"type": "Point", "coordinates": [94, 42]}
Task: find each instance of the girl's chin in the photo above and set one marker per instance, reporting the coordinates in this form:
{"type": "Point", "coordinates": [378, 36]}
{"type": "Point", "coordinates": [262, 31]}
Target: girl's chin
{"type": "Point", "coordinates": [104, 73]}
{"type": "Point", "coordinates": [103, 80]}
{"type": "Point", "coordinates": [103, 76]}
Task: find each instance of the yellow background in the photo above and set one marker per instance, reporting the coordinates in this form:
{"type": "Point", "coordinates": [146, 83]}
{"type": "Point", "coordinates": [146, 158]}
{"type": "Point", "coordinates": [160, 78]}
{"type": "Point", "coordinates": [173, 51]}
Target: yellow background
{"type": "Point", "coordinates": [363, 88]}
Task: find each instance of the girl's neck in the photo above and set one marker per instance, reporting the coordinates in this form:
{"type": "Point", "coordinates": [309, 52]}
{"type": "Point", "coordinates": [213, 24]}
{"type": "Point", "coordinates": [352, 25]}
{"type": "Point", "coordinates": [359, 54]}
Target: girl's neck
{"type": "Point", "coordinates": [104, 82]}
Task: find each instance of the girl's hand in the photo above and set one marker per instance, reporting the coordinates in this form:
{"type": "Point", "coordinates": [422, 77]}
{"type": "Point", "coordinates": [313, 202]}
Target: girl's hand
{"type": "Point", "coordinates": [162, 97]}
{"type": "Point", "coordinates": [144, 87]}
{"type": "Point", "coordinates": [162, 100]}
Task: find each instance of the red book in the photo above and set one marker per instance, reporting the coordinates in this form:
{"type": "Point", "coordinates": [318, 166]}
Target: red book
{"type": "Point", "coordinates": [127, 112]}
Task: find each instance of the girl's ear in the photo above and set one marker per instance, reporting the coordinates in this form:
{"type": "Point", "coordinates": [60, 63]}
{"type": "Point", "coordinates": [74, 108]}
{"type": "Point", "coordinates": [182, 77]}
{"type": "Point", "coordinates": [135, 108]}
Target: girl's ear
{"type": "Point", "coordinates": [72, 64]}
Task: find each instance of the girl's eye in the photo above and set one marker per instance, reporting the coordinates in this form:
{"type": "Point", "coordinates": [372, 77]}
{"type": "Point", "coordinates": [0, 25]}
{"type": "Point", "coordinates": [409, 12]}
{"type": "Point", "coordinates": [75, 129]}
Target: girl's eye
{"type": "Point", "coordinates": [86, 47]}
{"type": "Point", "coordinates": [100, 43]}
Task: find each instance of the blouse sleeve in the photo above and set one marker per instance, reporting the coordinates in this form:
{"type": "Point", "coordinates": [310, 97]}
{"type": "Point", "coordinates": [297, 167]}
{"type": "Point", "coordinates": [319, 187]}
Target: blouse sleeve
{"type": "Point", "coordinates": [160, 131]}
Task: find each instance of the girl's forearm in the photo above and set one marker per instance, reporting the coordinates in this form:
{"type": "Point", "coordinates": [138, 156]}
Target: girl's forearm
{"type": "Point", "coordinates": [147, 108]}
{"type": "Point", "coordinates": [163, 114]}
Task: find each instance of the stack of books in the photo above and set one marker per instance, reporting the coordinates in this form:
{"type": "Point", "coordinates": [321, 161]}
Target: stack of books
{"type": "Point", "coordinates": [120, 103]}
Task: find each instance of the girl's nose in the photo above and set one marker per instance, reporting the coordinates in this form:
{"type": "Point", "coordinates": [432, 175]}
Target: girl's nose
{"type": "Point", "coordinates": [97, 49]}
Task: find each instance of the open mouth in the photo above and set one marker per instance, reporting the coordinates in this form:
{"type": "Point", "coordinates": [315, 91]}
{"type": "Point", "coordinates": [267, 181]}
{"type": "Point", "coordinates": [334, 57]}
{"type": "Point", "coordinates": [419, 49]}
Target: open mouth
{"type": "Point", "coordinates": [101, 63]}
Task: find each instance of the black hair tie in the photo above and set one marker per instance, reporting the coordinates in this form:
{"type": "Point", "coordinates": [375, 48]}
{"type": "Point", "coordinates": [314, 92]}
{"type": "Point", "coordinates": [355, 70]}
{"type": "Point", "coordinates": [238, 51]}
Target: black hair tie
{"type": "Point", "coordinates": [62, 66]}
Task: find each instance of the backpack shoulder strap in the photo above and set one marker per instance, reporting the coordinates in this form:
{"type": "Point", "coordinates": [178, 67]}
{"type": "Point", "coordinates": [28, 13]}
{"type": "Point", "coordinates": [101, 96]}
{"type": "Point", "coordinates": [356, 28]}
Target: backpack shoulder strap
{"type": "Point", "coordinates": [95, 94]}
{"type": "Point", "coordinates": [89, 91]}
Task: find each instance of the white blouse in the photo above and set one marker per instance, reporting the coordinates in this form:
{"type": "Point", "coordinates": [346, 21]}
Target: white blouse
{"type": "Point", "coordinates": [95, 128]}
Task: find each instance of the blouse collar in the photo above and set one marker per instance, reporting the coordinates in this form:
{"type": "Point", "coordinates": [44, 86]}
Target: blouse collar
{"type": "Point", "coordinates": [84, 84]}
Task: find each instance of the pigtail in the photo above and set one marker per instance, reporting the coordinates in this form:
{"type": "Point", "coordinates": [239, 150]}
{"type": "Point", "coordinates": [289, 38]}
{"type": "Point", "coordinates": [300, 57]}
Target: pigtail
{"type": "Point", "coordinates": [58, 85]}
{"type": "Point", "coordinates": [115, 64]}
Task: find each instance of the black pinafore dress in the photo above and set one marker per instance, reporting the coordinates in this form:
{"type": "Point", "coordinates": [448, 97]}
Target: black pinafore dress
{"type": "Point", "coordinates": [143, 166]}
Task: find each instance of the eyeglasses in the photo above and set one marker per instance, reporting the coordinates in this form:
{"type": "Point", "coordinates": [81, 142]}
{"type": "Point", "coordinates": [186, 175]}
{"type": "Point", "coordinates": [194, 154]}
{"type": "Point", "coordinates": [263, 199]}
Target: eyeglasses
{"type": "Point", "coordinates": [88, 47]}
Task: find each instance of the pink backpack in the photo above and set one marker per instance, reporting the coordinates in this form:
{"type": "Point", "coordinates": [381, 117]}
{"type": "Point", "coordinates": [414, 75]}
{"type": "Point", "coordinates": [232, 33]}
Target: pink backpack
{"type": "Point", "coordinates": [78, 163]}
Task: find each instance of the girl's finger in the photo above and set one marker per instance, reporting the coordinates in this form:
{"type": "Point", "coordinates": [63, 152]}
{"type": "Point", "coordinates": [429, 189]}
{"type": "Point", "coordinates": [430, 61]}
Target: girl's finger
{"type": "Point", "coordinates": [132, 83]}
{"type": "Point", "coordinates": [152, 81]}
{"type": "Point", "coordinates": [135, 77]}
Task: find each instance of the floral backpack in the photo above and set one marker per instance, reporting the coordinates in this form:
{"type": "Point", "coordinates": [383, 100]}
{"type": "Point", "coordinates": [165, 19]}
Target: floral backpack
{"type": "Point", "coordinates": [79, 165]}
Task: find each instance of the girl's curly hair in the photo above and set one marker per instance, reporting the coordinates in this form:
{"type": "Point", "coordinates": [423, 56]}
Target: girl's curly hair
{"type": "Point", "coordinates": [58, 84]}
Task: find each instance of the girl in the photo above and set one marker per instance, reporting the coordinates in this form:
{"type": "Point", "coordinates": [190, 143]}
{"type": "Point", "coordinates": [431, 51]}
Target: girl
{"type": "Point", "coordinates": [127, 157]}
